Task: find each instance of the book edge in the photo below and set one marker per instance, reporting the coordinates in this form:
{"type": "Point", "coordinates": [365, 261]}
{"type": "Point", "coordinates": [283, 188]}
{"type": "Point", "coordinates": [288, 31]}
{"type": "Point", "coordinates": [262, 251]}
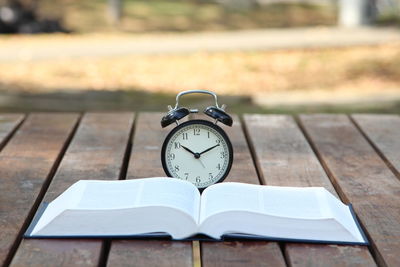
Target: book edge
{"type": "Point", "coordinates": [197, 237]}
{"type": "Point", "coordinates": [363, 235]}
{"type": "Point", "coordinates": [42, 207]}
{"type": "Point", "coordinates": [201, 237]}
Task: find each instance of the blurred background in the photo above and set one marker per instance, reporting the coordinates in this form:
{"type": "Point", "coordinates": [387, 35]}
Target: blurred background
{"type": "Point", "coordinates": [280, 56]}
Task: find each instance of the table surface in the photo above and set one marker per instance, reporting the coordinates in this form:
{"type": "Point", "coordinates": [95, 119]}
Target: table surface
{"type": "Point", "coordinates": [355, 157]}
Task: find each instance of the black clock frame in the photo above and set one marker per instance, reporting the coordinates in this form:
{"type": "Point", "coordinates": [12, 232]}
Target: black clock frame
{"type": "Point", "coordinates": [209, 124]}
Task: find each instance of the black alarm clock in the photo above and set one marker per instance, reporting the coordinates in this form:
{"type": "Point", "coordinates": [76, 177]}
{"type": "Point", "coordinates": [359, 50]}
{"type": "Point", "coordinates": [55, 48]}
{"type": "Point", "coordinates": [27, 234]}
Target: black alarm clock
{"type": "Point", "coordinates": [198, 151]}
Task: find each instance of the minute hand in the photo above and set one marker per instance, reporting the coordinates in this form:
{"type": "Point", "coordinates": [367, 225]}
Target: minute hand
{"type": "Point", "coordinates": [208, 149]}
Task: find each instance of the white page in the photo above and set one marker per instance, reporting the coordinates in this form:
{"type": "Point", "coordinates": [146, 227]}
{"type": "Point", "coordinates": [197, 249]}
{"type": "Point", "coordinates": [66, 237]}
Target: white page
{"type": "Point", "coordinates": [294, 202]}
{"type": "Point", "coordinates": [284, 212]}
{"type": "Point", "coordinates": [229, 196]}
{"type": "Point", "coordinates": [157, 191]}
{"type": "Point", "coordinates": [172, 193]}
{"type": "Point", "coordinates": [102, 195]}
{"type": "Point", "coordinates": [69, 199]}
{"type": "Point", "coordinates": [94, 195]}
{"type": "Point", "coordinates": [340, 212]}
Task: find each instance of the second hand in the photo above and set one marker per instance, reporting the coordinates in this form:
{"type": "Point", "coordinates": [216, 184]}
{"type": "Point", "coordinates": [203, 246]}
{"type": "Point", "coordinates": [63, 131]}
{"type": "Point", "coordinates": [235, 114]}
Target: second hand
{"type": "Point", "coordinates": [202, 163]}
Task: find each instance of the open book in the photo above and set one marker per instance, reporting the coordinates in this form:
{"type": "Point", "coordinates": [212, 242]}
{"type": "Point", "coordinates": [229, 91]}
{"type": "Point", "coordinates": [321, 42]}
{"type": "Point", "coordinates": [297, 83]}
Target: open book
{"type": "Point", "coordinates": [164, 206]}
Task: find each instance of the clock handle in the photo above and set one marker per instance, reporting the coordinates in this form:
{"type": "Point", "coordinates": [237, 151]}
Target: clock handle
{"type": "Point", "coordinates": [215, 112]}
{"type": "Point", "coordinates": [196, 92]}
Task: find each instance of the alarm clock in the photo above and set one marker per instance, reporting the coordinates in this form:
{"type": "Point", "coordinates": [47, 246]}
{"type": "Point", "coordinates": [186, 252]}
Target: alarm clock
{"type": "Point", "coordinates": [198, 151]}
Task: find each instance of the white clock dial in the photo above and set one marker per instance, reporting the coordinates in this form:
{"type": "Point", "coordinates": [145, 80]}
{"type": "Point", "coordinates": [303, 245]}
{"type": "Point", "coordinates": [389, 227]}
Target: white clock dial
{"type": "Point", "coordinates": [199, 152]}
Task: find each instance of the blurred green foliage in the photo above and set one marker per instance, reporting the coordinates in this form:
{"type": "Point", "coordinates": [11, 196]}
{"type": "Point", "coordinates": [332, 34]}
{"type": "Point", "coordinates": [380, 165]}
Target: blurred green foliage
{"type": "Point", "coordinates": [185, 15]}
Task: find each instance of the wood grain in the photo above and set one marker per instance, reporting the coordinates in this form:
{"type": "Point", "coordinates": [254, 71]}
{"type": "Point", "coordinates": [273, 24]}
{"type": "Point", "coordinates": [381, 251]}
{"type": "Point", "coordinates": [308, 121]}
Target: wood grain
{"type": "Point", "coordinates": [246, 253]}
{"type": "Point", "coordinates": [383, 131]}
{"type": "Point", "coordinates": [362, 178]}
{"type": "Point", "coordinates": [145, 161]}
{"type": "Point", "coordinates": [96, 152]}
{"type": "Point", "coordinates": [285, 158]}
{"type": "Point", "coordinates": [282, 153]}
{"type": "Point", "coordinates": [328, 255]}
{"type": "Point", "coordinates": [8, 123]}
{"type": "Point", "coordinates": [26, 164]}
{"type": "Point", "coordinates": [241, 252]}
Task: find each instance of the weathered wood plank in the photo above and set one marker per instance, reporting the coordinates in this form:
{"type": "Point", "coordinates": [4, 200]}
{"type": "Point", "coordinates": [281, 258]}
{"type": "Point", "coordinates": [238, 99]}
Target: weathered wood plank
{"type": "Point", "coordinates": [150, 253]}
{"type": "Point", "coordinates": [283, 155]}
{"type": "Point", "coordinates": [8, 123]}
{"type": "Point", "coordinates": [145, 161]}
{"type": "Point", "coordinates": [239, 253]}
{"type": "Point", "coordinates": [328, 255]}
{"type": "Point", "coordinates": [26, 164]}
{"type": "Point", "coordinates": [383, 131]}
{"type": "Point", "coordinates": [96, 152]}
{"type": "Point", "coordinates": [57, 252]}
{"type": "Point", "coordinates": [285, 158]}
{"type": "Point", "coordinates": [361, 178]}
{"type": "Point", "coordinates": [250, 253]}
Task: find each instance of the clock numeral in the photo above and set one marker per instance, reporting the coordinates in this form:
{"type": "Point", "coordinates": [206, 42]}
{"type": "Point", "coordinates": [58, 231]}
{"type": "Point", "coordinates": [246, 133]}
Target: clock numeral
{"type": "Point", "coordinates": [219, 166]}
{"type": "Point", "coordinates": [186, 175]}
{"type": "Point", "coordinates": [177, 145]}
{"type": "Point", "coordinates": [222, 155]}
{"type": "Point", "coordinates": [196, 131]}
{"type": "Point", "coordinates": [210, 175]}
{"type": "Point", "coordinates": [208, 134]}
{"type": "Point", "coordinates": [184, 136]}
{"type": "Point", "coordinates": [176, 168]}
{"type": "Point", "coordinates": [198, 180]}
{"type": "Point", "coordinates": [171, 156]}
{"type": "Point", "coordinates": [218, 141]}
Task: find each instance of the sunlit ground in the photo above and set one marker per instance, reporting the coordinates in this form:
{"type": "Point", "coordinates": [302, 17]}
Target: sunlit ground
{"type": "Point", "coordinates": [249, 78]}
{"type": "Point", "coordinates": [355, 79]}
{"type": "Point", "coordinates": [359, 69]}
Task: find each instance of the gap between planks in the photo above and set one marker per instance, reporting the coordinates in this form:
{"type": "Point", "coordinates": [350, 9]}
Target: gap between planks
{"type": "Point", "coordinates": [144, 161]}
{"type": "Point", "coordinates": [330, 175]}
{"type": "Point", "coordinates": [105, 249]}
{"type": "Point", "coordinates": [113, 131]}
{"type": "Point", "coordinates": [363, 178]}
{"type": "Point", "coordinates": [375, 146]}
{"type": "Point", "coordinates": [18, 122]}
{"type": "Point", "coordinates": [295, 137]}
{"type": "Point", "coordinates": [42, 191]}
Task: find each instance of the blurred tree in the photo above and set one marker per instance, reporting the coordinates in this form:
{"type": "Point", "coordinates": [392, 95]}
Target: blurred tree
{"type": "Point", "coordinates": [20, 16]}
{"type": "Point", "coordinates": [238, 4]}
{"type": "Point", "coordinates": [353, 13]}
{"type": "Point", "coordinates": [115, 11]}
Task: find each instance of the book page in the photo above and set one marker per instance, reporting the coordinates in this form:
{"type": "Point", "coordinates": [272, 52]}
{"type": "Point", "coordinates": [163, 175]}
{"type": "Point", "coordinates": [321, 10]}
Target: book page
{"type": "Point", "coordinates": [340, 212]}
{"type": "Point", "coordinates": [292, 202]}
{"type": "Point", "coordinates": [304, 213]}
{"type": "Point", "coordinates": [157, 191]}
{"type": "Point", "coordinates": [91, 198]}
{"type": "Point", "coordinates": [229, 196]}
{"type": "Point", "coordinates": [67, 200]}
{"type": "Point", "coordinates": [172, 193]}
{"type": "Point", "coordinates": [109, 194]}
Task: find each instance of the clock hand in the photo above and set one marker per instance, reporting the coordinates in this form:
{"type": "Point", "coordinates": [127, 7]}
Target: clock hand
{"type": "Point", "coordinates": [202, 163]}
{"type": "Point", "coordinates": [196, 155]}
{"type": "Point", "coordinates": [208, 149]}
{"type": "Point", "coordinates": [187, 149]}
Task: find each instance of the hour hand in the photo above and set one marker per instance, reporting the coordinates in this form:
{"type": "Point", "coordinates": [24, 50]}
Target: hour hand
{"type": "Point", "coordinates": [187, 149]}
{"type": "Point", "coordinates": [208, 149]}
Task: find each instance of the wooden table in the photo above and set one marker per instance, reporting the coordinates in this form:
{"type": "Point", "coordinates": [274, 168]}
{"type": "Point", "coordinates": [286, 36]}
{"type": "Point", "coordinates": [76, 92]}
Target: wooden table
{"type": "Point", "coordinates": [355, 157]}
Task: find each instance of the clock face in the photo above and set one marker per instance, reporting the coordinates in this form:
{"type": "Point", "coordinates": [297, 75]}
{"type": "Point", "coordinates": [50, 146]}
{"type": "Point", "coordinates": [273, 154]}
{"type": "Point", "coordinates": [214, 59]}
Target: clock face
{"type": "Point", "coordinates": [197, 151]}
